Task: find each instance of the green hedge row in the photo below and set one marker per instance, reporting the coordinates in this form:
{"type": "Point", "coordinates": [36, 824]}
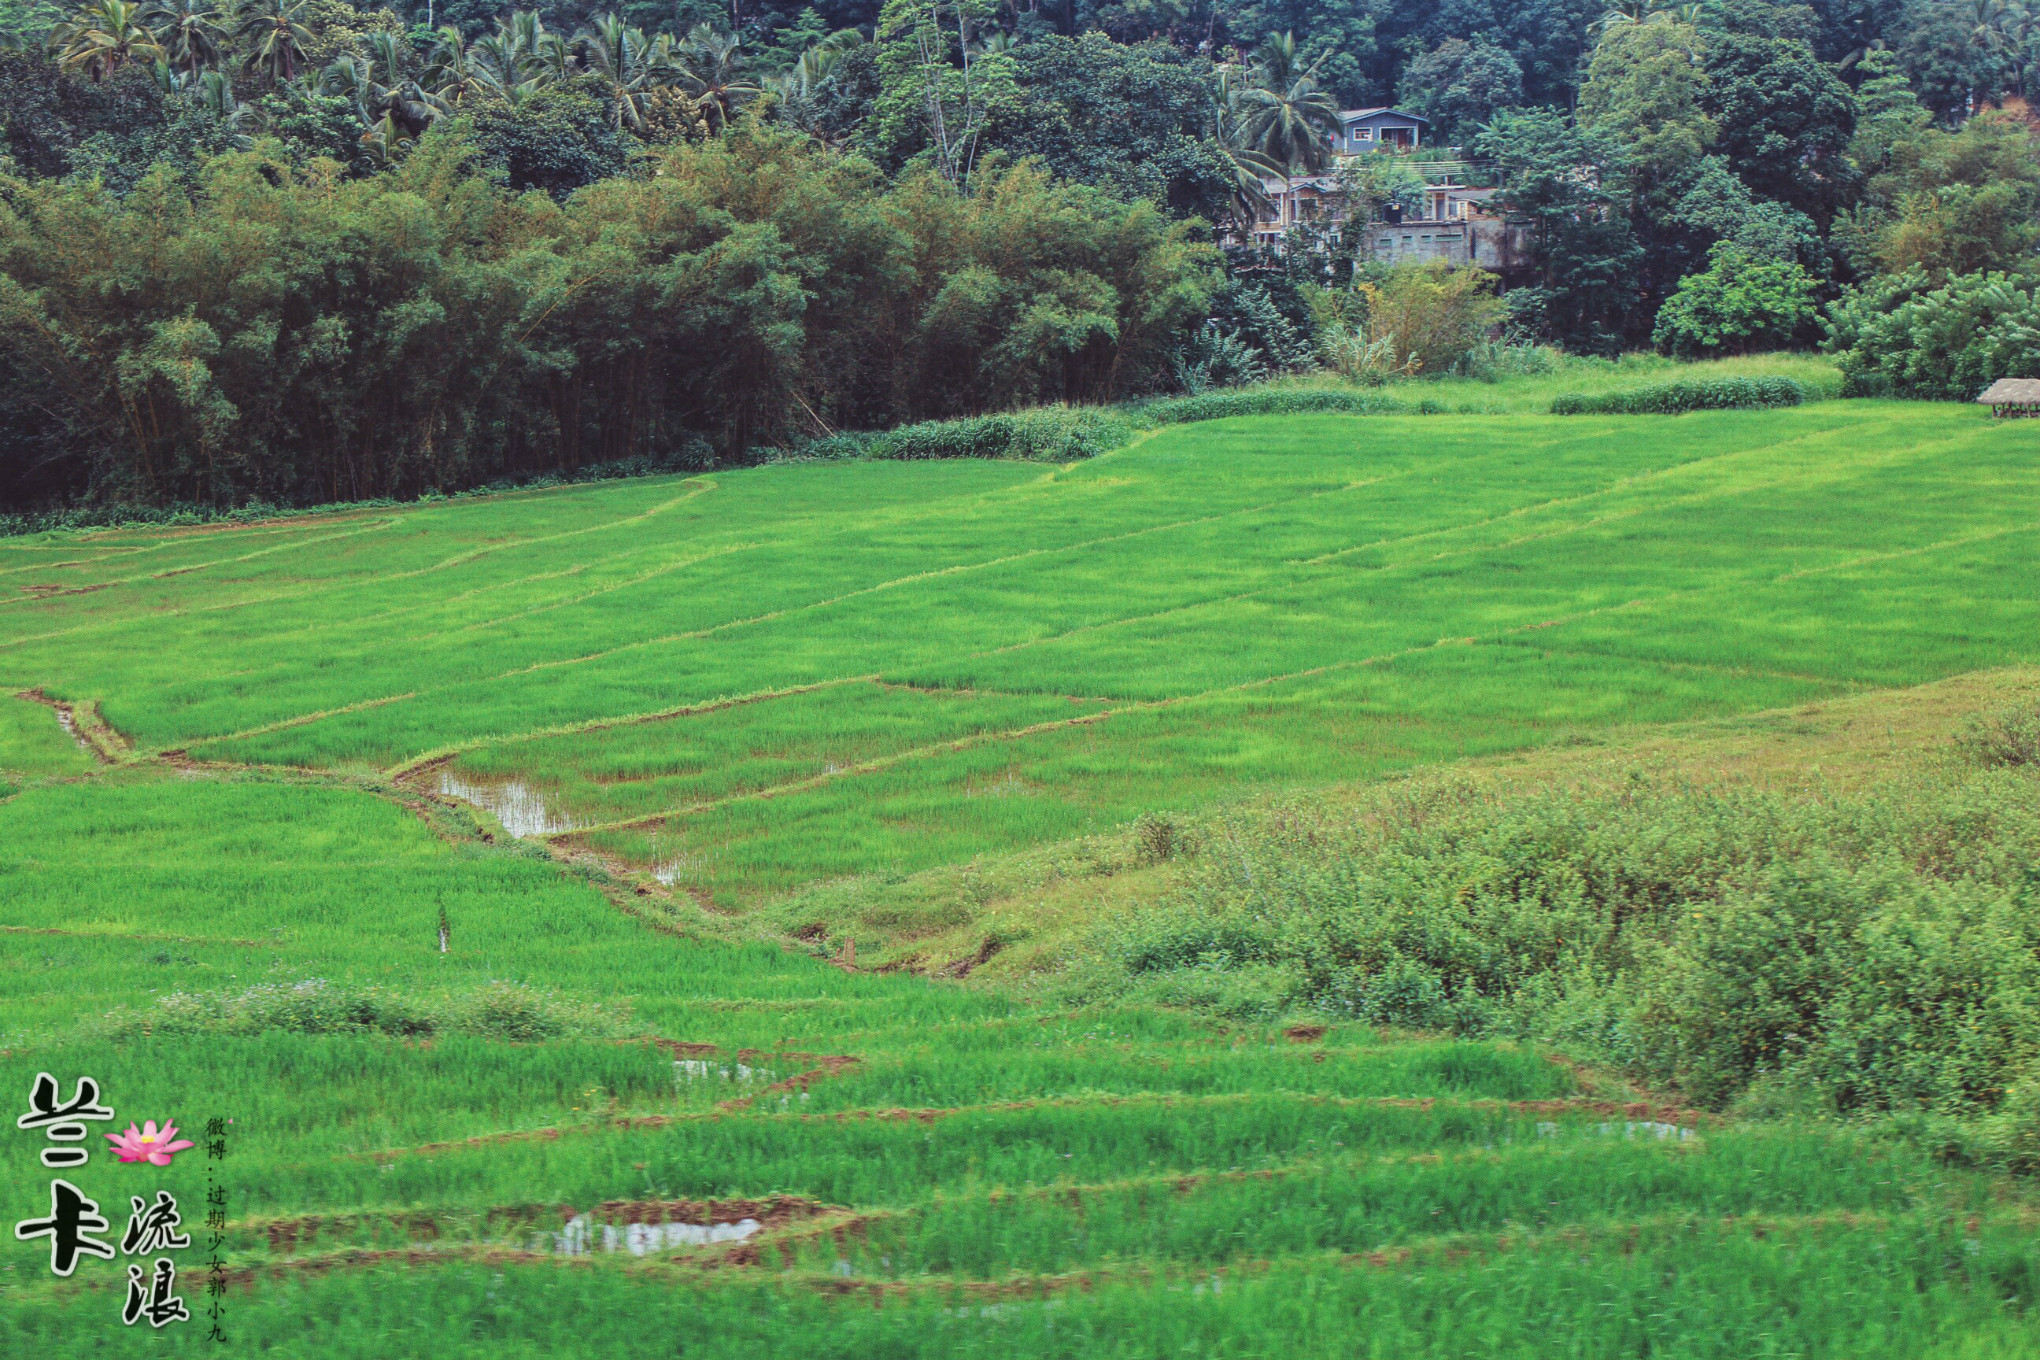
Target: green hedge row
{"type": "Point", "coordinates": [1064, 433]}
{"type": "Point", "coordinates": [1061, 434]}
{"type": "Point", "coordinates": [1046, 434]}
{"type": "Point", "coordinates": [1671, 398]}
{"type": "Point", "coordinates": [1270, 401]}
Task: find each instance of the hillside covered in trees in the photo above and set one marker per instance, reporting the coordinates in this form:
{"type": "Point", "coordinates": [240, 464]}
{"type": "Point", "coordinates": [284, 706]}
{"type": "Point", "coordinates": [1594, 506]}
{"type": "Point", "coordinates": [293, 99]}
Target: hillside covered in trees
{"type": "Point", "coordinates": [302, 252]}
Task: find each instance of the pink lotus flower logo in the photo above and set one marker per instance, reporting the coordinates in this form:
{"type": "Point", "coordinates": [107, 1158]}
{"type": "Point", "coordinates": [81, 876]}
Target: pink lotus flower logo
{"type": "Point", "coordinates": [146, 1144]}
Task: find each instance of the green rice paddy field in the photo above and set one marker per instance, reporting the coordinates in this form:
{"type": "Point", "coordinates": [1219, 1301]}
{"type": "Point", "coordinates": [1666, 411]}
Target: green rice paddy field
{"type": "Point", "coordinates": [604, 734]}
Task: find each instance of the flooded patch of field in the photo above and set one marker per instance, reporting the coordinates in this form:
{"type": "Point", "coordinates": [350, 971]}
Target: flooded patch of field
{"type": "Point", "coordinates": [1652, 1129]}
{"type": "Point", "coordinates": [643, 1227]}
{"type": "Point", "coordinates": [522, 809]}
{"type": "Point", "coordinates": [670, 871]}
{"type": "Point", "coordinates": [695, 1069]}
{"type": "Point", "coordinates": [583, 1236]}
{"type": "Point", "coordinates": [70, 725]}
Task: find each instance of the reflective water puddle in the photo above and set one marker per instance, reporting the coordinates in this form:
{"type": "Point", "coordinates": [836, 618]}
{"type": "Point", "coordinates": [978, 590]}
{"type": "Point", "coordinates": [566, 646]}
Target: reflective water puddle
{"type": "Point", "coordinates": [70, 726]}
{"type": "Point", "coordinates": [669, 871]}
{"type": "Point", "coordinates": [582, 1235]}
{"type": "Point", "coordinates": [696, 1069]}
{"type": "Point", "coordinates": [514, 803]}
{"type": "Point", "coordinates": [1632, 1128]}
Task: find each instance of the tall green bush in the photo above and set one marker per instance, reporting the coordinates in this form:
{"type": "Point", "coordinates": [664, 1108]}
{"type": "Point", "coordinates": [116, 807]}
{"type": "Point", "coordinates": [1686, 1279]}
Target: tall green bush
{"type": "Point", "coordinates": [1261, 401]}
{"type": "Point", "coordinates": [1739, 303]}
{"type": "Point", "coordinates": [1905, 335]}
{"type": "Point", "coordinates": [1049, 434]}
{"type": "Point", "coordinates": [1878, 953]}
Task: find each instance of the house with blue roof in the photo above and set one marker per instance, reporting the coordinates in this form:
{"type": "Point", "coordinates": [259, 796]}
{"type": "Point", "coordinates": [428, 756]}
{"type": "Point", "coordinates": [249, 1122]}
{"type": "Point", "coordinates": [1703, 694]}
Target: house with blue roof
{"type": "Point", "coordinates": [1378, 129]}
{"type": "Point", "coordinates": [1452, 220]}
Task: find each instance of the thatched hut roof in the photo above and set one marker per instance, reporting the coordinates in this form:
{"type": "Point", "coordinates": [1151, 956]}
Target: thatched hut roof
{"type": "Point", "coordinates": [2012, 392]}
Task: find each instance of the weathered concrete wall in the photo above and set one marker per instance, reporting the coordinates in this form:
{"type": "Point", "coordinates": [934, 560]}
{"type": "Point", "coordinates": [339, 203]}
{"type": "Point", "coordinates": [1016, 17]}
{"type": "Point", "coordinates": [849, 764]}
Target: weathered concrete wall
{"type": "Point", "coordinates": [1500, 246]}
{"type": "Point", "coordinates": [1418, 241]}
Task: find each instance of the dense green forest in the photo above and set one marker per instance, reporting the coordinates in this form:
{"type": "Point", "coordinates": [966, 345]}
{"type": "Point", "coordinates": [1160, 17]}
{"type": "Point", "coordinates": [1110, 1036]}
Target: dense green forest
{"type": "Point", "coordinates": [301, 252]}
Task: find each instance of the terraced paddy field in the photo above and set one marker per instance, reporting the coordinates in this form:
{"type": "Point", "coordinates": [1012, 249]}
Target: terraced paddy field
{"type": "Point", "coordinates": [666, 758]}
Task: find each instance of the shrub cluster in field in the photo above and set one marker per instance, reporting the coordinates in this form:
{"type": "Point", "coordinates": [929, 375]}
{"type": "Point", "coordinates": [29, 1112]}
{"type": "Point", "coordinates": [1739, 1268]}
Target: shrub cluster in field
{"type": "Point", "coordinates": [1270, 401]}
{"type": "Point", "coordinates": [499, 1010]}
{"type": "Point", "coordinates": [1046, 434]}
{"type": "Point", "coordinates": [2009, 736]}
{"type": "Point", "coordinates": [1064, 434]}
{"type": "Point", "coordinates": [1874, 954]}
{"type": "Point", "coordinates": [1671, 398]}
{"type": "Point", "coordinates": [1067, 433]}
{"type": "Point", "coordinates": [1923, 334]}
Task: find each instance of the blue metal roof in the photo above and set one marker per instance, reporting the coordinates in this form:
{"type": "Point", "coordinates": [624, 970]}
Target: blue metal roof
{"type": "Point", "coordinates": [1380, 114]}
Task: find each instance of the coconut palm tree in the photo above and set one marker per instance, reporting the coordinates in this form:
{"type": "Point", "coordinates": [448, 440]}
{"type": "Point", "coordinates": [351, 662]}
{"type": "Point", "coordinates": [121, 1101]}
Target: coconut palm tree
{"type": "Point", "coordinates": [389, 56]}
{"type": "Point", "coordinates": [1637, 11]}
{"type": "Point", "coordinates": [452, 72]}
{"type": "Point", "coordinates": [1861, 34]}
{"type": "Point", "coordinates": [499, 61]}
{"type": "Point", "coordinates": [275, 36]}
{"type": "Point", "coordinates": [804, 78]}
{"type": "Point", "coordinates": [548, 56]}
{"type": "Point", "coordinates": [710, 68]}
{"type": "Point", "coordinates": [511, 55]}
{"type": "Point", "coordinates": [350, 78]}
{"type": "Point", "coordinates": [1251, 169]}
{"type": "Point", "coordinates": [213, 91]}
{"type": "Point", "coordinates": [2008, 29]}
{"type": "Point", "coordinates": [103, 37]}
{"type": "Point", "coordinates": [1625, 12]}
{"type": "Point", "coordinates": [1283, 114]}
{"type": "Point", "coordinates": [798, 89]}
{"type": "Point", "coordinates": [188, 31]}
{"type": "Point", "coordinates": [380, 91]}
{"type": "Point", "coordinates": [522, 29]}
{"type": "Point", "coordinates": [552, 58]}
{"type": "Point", "coordinates": [628, 65]}
{"type": "Point", "coordinates": [385, 142]}
{"type": "Point", "coordinates": [1987, 20]}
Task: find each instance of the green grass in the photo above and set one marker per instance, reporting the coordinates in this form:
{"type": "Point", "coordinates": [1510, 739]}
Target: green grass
{"type": "Point", "coordinates": [1531, 393]}
{"type": "Point", "coordinates": [33, 743]}
{"type": "Point", "coordinates": [794, 673]}
{"type": "Point", "coordinates": [841, 699]}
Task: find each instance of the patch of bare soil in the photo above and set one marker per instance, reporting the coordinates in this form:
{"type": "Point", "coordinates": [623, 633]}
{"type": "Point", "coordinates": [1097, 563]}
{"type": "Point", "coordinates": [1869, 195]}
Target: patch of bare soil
{"type": "Point", "coordinates": [43, 590]}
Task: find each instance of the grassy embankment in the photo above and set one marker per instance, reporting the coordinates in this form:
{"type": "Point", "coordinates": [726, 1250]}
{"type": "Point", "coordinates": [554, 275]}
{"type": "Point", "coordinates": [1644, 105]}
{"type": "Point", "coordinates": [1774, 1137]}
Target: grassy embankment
{"type": "Point", "coordinates": [1556, 373]}
{"type": "Point", "coordinates": [874, 699]}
